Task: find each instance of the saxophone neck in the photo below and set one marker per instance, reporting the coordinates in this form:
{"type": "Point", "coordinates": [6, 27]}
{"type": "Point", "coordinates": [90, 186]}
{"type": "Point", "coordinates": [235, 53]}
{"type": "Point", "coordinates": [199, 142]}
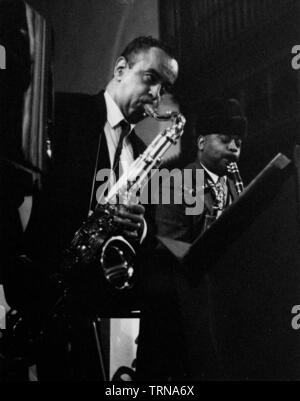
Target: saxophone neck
{"type": "Point", "coordinates": [168, 115]}
{"type": "Point", "coordinates": [138, 173]}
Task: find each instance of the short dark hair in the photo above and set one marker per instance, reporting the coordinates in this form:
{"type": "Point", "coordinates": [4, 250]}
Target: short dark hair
{"type": "Point", "coordinates": [144, 43]}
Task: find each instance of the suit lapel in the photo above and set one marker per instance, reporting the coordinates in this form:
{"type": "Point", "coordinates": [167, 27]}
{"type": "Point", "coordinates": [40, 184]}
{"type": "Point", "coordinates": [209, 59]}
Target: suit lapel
{"type": "Point", "coordinates": [137, 144]}
{"type": "Point", "coordinates": [99, 135]}
{"type": "Point", "coordinates": [232, 189]}
{"type": "Point", "coordinates": [208, 197]}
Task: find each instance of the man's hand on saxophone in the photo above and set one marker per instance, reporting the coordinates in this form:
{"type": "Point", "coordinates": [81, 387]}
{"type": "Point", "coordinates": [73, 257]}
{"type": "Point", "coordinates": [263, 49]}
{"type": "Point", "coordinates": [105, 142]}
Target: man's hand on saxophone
{"type": "Point", "coordinates": [131, 218]}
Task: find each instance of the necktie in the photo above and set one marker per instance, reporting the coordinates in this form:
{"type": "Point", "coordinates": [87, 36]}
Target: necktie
{"type": "Point", "coordinates": [125, 129]}
{"type": "Point", "coordinates": [221, 193]}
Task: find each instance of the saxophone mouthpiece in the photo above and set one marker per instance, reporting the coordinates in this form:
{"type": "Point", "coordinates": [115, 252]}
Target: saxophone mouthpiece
{"type": "Point", "coordinates": [149, 111]}
{"type": "Point", "coordinates": [152, 112]}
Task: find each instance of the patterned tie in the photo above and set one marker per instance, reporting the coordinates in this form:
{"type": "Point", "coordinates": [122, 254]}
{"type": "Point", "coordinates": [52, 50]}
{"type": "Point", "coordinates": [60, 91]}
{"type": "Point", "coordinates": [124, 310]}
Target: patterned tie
{"type": "Point", "coordinates": [125, 127]}
{"type": "Point", "coordinates": [221, 193]}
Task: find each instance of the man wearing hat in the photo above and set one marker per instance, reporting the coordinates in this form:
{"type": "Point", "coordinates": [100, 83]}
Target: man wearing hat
{"type": "Point", "coordinates": [170, 340]}
{"type": "Point", "coordinates": [221, 127]}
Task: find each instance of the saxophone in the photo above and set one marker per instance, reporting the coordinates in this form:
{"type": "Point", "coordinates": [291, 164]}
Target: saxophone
{"type": "Point", "coordinates": [99, 240]}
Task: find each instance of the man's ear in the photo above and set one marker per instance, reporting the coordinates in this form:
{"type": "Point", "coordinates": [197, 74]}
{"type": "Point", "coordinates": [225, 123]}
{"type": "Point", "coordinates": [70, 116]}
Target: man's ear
{"type": "Point", "coordinates": [120, 66]}
{"type": "Point", "coordinates": [200, 142]}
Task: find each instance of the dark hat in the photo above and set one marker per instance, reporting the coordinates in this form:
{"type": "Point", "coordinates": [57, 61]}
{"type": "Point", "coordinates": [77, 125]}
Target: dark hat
{"type": "Point", "coordinates": [222, 116]}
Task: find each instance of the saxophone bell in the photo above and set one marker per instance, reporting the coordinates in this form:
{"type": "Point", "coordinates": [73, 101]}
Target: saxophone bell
{"type": "Point", "coordinates": [117, 261]}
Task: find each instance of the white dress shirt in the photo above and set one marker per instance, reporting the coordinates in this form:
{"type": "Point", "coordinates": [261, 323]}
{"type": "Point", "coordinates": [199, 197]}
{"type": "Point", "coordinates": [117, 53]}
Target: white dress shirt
{"type": "Point", "coordinates": [213, 176]}
{"type": "Point", "coordinates": [112, 130]}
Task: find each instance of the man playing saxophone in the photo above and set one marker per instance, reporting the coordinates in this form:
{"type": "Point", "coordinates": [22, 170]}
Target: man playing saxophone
{"type": "Point", "coordinates": [91, 133]}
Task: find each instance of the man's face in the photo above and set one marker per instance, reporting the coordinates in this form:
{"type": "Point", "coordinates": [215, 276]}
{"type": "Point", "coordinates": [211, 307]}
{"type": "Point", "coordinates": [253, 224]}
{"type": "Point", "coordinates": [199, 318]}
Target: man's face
{"type": "Point", "coordinates": [217, 150]}
{"type": "Point", "coordinates": [143, 82]}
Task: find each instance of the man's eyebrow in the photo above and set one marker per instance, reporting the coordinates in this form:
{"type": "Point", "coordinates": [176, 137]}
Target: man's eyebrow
{"type": "Point", "coordinates": [166, 82]}
{"type": "Point", "coordinates": [154, 72]}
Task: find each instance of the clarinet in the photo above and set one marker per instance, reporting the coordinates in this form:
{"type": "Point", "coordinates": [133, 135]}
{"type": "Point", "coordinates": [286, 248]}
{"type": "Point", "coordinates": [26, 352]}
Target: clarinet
{"type": "Point", "coordinates": [233, 170]}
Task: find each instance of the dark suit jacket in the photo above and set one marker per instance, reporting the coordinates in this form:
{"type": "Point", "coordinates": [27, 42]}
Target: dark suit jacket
{"type": "Point", "coordinates": [79, 123]}
{"type": "Point", "coordinates": [63, 204]}
{"type": "Point", "coordinates": [172, 220]}
{"type": "Point", "coordinates": [166, 346]}
{"type": "Point", "coordinates": [58, 212]}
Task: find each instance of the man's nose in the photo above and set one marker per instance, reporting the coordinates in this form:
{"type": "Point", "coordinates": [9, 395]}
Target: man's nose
{"type": "Point", "coordinates": [233, 146]}
{"type": "Point", "coordinates": [156, 92]}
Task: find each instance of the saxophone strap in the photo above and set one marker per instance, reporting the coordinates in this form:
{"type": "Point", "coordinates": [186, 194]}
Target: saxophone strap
{"type": "Point", "coordinates": [93, 200]}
